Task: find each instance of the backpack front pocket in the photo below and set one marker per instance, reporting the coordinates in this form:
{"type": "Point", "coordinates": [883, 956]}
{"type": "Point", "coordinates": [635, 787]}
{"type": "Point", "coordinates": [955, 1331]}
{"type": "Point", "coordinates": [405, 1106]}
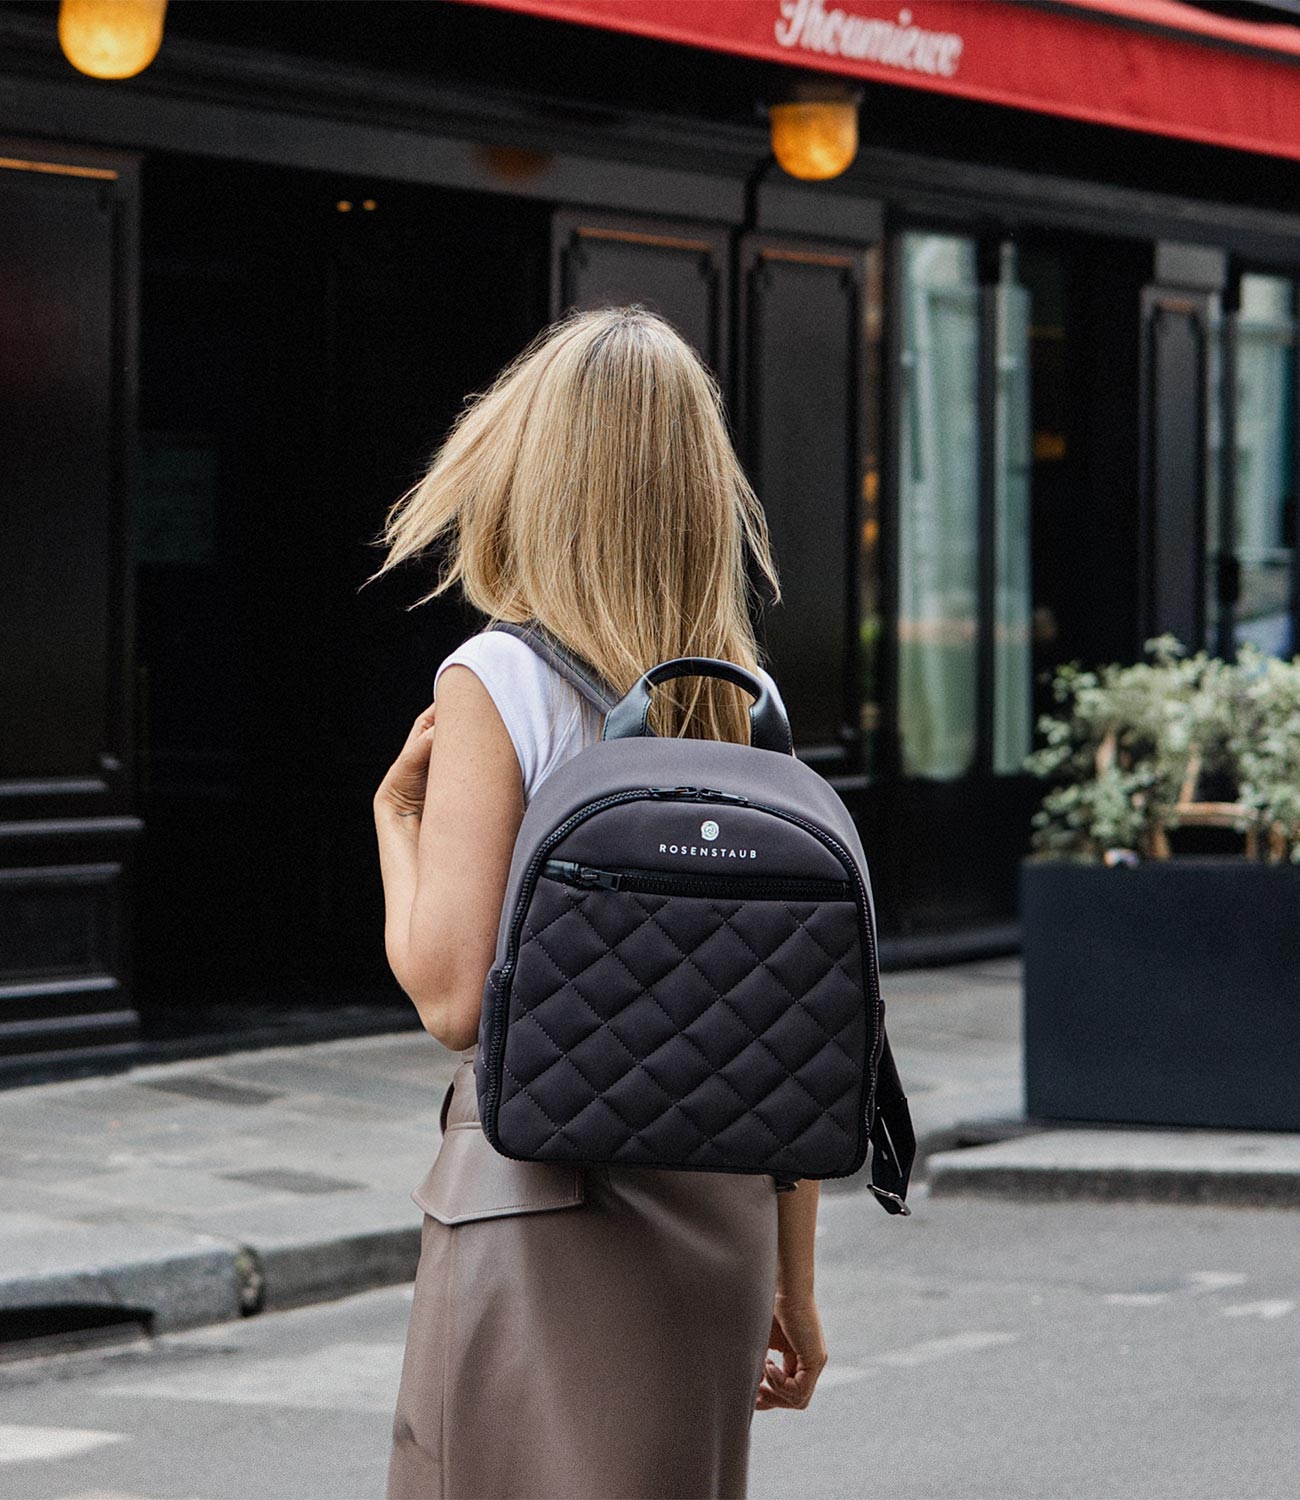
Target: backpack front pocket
{"type": "Point", "coordinates": [709, 1020]}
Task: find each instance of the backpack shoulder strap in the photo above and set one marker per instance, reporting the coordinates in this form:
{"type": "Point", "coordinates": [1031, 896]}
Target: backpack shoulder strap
{"type": "Point", "coordinates": [893, 1140]}
{"type": "Point", "coordinates": [578, 673]}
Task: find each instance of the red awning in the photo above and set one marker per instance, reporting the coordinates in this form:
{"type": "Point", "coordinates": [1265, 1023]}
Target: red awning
{"type": "Point", "coordinates": [1153, 65]}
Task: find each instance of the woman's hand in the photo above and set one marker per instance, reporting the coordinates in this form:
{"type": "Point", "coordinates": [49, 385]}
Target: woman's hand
{"type": "Point", "coordinates": [403, 787]}
{"type": "Point", "coordinates": [797, 1334]}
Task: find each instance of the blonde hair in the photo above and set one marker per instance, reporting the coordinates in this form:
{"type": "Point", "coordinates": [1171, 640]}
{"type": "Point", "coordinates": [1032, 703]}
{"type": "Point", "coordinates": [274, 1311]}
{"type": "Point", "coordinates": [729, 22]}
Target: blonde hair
{"type": "Point", "coordinates": [593, 488]}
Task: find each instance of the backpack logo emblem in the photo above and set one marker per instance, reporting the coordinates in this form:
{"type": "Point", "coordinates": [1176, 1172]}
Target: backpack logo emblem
{"type": "Point", "coordinates": [709, 830]}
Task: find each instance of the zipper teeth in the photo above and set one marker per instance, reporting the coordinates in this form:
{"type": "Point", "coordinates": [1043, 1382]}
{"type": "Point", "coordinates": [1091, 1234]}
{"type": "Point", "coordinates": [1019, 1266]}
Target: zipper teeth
{"type": "Point", "coordinates": [744, 885]}
{"type": "Point", "coordinates": [497, 1036]}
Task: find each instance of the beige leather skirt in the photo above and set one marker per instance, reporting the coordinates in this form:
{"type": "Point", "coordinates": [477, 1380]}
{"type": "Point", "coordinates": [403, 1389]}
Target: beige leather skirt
{"type": "Point", "coordinates": [580, 1333]}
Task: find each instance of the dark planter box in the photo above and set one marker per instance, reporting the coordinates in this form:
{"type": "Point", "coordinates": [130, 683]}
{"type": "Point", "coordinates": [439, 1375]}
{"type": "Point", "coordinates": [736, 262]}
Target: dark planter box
{"type": "Point", "coordinates": [1167, 994]}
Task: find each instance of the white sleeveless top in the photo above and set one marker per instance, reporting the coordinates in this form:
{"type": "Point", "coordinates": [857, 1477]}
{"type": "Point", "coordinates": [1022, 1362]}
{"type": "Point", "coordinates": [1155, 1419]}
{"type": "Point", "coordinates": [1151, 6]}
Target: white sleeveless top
{"type": "Point", "coordinates": [546, 717]}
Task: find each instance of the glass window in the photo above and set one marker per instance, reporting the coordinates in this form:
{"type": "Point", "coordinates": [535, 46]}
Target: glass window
{"type": "Point", "coordinates": [1265, 501]}
{"type": "Point", "coordinates": [938, 505]}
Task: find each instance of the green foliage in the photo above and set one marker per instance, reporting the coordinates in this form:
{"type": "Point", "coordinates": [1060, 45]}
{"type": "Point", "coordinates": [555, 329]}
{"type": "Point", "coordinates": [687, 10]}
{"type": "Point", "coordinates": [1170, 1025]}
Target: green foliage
{"type": "Point", "coordinates": [1123, 743]}
{"type": "Point", "coordinates": [1266, 744]}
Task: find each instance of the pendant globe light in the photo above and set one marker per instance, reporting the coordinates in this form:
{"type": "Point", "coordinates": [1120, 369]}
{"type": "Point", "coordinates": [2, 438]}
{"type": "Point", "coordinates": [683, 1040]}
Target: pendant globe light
{"type": "Point", "coordinates": [815, 132]}
{"type": "Point", "coordinates": [111, 38]}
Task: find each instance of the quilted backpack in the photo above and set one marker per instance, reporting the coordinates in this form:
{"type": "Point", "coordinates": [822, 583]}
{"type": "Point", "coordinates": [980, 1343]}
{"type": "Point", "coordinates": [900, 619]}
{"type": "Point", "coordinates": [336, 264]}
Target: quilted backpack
{"type": "Point", "coordinates": [685, 973]}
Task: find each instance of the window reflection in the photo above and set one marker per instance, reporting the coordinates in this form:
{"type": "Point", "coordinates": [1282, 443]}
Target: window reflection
{"type": "Point", "coordinates": [1252, 530]}
{"type": "Point", "coordinates": [938, 505]}
{"type": "Point", "coordinates": [1265, 502]}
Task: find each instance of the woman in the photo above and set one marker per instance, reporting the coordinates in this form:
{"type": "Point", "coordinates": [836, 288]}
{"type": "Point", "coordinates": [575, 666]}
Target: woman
{"type": "Point", "coordinates": [576, 1332]}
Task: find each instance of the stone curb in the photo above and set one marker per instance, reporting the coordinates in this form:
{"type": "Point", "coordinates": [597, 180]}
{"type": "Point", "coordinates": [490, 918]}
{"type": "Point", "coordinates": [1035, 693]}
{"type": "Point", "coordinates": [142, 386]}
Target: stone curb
{"type": "Point", "coordinates": [1151, 1166]}
{"type": "Point", "coordinates": [1254, 1190]}
{"type": "Point", "coordinates": [295, 1274]}
{"type": "Point", "coordinates": [161, 1288]}
{"type": "Point", "coordinates": [189, 1285]}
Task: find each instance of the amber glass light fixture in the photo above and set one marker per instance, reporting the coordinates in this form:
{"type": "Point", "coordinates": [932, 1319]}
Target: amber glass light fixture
{"type": "Point", "coordinates": [815, 134]}
{"type": "Point", "coordinates": [111, 38]}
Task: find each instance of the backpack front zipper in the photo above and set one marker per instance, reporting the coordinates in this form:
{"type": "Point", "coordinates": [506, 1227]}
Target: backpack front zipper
{"type": "Point", "coordinates": [699, 883]}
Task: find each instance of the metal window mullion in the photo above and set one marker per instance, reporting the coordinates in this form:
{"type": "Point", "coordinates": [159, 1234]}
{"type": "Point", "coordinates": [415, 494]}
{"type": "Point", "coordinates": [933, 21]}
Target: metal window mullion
{"type": "Point", "coordinates": [889, 742]}
{"type": "Point", "coordinates": [987, 493]}
{"type": "Point", "coordinates": [1227, 562]}
{"type": "Point", "coordinates": [1295, 466]}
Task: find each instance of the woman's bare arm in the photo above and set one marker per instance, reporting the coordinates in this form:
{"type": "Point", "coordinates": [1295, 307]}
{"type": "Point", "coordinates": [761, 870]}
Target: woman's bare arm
{"type": "Point", "coordinates": [445, 858]}
{"type": "Point", "coordinates": [796, 1231]}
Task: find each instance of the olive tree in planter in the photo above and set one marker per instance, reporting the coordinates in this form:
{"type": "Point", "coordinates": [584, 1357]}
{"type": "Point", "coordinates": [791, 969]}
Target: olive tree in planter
{"type": "Point", "coordinates": [1163, 987]}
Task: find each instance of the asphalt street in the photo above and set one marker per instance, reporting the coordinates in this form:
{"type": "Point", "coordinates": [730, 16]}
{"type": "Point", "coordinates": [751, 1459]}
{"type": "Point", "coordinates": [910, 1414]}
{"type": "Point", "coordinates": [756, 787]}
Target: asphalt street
{"type": "Point", "coordinates": [1074, 1351]}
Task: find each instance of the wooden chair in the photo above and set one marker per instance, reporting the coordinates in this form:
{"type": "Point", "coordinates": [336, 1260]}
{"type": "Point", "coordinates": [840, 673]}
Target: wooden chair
{"type": "Point", "coordinates": [1189, 813]}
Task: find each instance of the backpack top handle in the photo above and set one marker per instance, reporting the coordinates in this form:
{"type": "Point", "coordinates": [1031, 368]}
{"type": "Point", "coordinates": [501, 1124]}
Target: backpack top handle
{"type": "Point", "coordinates": [628, 717]}
{"type": "Point", "coordinates": [768, 727]}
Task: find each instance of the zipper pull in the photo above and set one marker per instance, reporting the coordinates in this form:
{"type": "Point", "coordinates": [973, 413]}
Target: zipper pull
{"type": "Point", "coordinates": [674, 791]}
{"type": "Point", "coordinates": [712, 794]}
{"type": "Point", "coordinates": [572, 873]}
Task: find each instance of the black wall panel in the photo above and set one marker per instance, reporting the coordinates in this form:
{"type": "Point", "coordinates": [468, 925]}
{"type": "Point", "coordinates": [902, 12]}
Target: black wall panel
{"type": "Point", "coordinates": [67, 237]}
{"type": "Point", "coordinates": [1175, 335]}
{"type": "Point", "coordinates": [677, 270]}
{"type": "Point", "coordinates": [802, 337]}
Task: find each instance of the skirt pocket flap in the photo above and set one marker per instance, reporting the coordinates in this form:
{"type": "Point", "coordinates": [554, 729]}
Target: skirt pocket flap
{"type": "Point", "coordinates": [470, 1179]}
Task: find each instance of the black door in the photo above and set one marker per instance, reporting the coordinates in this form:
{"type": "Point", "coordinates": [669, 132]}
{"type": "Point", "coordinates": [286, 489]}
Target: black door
{"type": "Point", "coordinates": [679, 270]}
{"type": "Point", "coordinates": [307, 342]}
{"type": "Point", "coordinates": [804, 399]}
{"type": "Point", "coordinates": [67, 814]}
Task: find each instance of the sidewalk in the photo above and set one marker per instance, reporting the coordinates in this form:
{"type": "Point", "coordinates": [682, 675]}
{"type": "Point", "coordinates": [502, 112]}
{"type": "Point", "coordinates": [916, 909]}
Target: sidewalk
{"type": "Point", "coordinates": [188, 1193]}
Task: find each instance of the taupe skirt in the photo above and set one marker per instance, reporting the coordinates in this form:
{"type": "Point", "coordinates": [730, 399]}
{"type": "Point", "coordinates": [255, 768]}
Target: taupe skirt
{"type": "Point", "coordinates": [580, 1333]}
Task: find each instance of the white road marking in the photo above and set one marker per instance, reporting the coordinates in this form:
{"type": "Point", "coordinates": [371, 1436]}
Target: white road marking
{"type": "Point", "coordinates": [21, 1445]}
{"type": "Point", "coordinates": [111, 1495]}
{"type": "Point", "coordinates": [918, 1354]}
{"type": "Point", "coordinates": [338, 1377]}
{"type": "Point", "coordinates": [944, 1348]}
{"type": "Point", "coordinates": [1214, 1281]}
{"type": "Point", "coordinates": [1136, 1299]}
{"type": "Point", "coordinates": [1275, 1309]}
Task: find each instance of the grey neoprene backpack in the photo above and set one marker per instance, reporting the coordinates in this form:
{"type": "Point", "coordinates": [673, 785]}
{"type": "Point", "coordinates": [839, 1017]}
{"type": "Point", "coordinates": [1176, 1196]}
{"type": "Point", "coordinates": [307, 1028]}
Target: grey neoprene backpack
{"type": "Point", "coordinates": [685, 973]}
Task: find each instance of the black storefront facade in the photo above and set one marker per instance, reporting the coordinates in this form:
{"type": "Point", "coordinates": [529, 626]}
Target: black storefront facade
{"type": "Point", "coordinates": [1013, 389]}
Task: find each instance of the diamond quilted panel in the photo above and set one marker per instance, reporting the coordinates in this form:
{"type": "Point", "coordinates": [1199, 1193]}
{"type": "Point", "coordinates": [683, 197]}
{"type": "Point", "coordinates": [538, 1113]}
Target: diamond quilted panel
{"type": "Point", "coordinates": [600, 1128]}
{"type": "Point", "coordinates": [532, 1049]}
{"type": "Point", "coordinates": [564, 1027]}
{"type": "Point", "coordinates": [643, 1028]}
{"type": "Point", "coordinates": [686, 1030]}
{"type": "Point", "coordinates": [713, 1106]}
{"type": "Point", "coordinates": [721, 1033]}
{"type": "Point", "coordinates": [605, 1060]}
{"type": "Point", "coordinates": [755, 1072]}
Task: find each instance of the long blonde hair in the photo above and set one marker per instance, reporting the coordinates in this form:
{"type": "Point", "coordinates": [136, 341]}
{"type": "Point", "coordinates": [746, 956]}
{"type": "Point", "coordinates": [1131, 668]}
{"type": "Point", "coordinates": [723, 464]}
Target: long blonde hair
{"type": "Point", "coordinates": [593, 488]}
